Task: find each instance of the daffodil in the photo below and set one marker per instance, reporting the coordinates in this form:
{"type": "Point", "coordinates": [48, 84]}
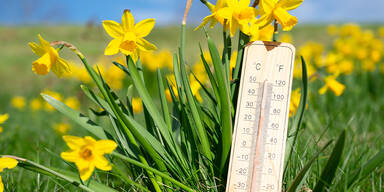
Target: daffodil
{"type": "Point", "coordinates": [128, 37]}
{"type": "Point", "coordinates": [62, 128]}
{"type": "Point", "coordinates": [238, 14]}
{"type": "Point", "coordinates": [137, 105]}
{"type": "Point", "coordinates": [35, 104]}
{"type": "Point", "coordinates": [72, 102]}
{"type": "Point", "coordinates": [18, 102]}
{"type": "Point", "coordinates": [87, 153]}
{"type": "Point", "coordinates": [49, 59]}
{"type": "Point", "coordinates": [274, 9]}
{"type": "Point", "coordinates": [331, 83]}
{"type": "Point", "coordinates": [295, 101]}
{"type": "Point", "coordinates": [6, 163]}
{"type": "Point", "coordinates": [3, 118]}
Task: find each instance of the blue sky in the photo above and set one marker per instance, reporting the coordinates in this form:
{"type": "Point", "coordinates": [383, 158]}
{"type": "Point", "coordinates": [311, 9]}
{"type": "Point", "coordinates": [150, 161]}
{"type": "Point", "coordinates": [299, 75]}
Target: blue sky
{"type": "Point", "coordinates": [20, 12]}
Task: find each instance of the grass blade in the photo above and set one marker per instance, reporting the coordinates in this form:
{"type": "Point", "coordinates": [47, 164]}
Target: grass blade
{"type": "Point", "coordinates": [300, 176]}
{"type": "Point", "coordinates": [367, 168]}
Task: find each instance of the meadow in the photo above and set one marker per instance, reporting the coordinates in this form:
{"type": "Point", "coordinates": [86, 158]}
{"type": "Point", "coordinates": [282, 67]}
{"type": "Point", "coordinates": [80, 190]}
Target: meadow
{"type": "Point", "coordinates": [34, 131]}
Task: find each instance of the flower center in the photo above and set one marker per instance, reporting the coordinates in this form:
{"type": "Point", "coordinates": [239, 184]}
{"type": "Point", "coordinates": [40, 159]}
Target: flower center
{"type": "Point", "coordinates": [129, 42]}
{"type": "Point", "coordinates": [86, 153]}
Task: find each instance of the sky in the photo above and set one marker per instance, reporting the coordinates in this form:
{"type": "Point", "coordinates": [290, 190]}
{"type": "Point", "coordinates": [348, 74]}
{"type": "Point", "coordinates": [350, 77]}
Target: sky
{"type": "Point", "coordinates": [166, 12]}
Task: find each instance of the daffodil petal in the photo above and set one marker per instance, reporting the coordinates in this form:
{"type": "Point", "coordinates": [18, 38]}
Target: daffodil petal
{"type": "Point", "coordinates": [290, 4]}
{"type": "Point", "coordinates": [89, 139]}
{"type": "Point", "coordinates": [7, 162]}
{"type": "Point", "coordinates": [244, 3]}
{"type": "Point", "coordinates": [85, 168]}
{"type": "Point", "coordinates": [1, 185]}
{"type": "Point", "coordinates": [127, 21]}
{"type": "Point", "coordinates": [37, 49]}
{"type": "Point", "coordinates": [105, 146]}
{"type": "Point", "coordinates": [144, 45]}
{"type": "Point", "coordinates": [61, 67]}
{"type": "Point", "coordinates": [267, 6]}
{"type": "Point", "coordinates": [113, 28]}
{"type": "Point", "coordinates": [205, 21]}
{"type": "Point", "coordinates": [286, 20]}
{"type": "Point", "coordinates": [113, 47]}
{"type": "Point", "coordinates": [144, 27]}
{"type": "Point", "coordinates": [44, 44]}
{"type": "Point", "coordinates": [3, 118]}
{"type": "Point", "coordinates": [42, 65]}
{"type": "Point", "coordinates": [323, 89]}
{"type": "Point", "coordinates": [102, 163]}
{"type": "Point", "coordinates": [71, 156]}
{"type": "Point", "coordinates": [73, 142]}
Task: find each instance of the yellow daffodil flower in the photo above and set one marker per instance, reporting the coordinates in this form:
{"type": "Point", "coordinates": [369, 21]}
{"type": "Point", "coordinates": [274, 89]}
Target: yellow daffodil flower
{"type": "Point", "coordinates": [128, 38]}
{"type": "Point", "coordinates": [274, 9]}
{"type": "Point", "coordinates": [35, 104]}
{"type": "Point", "coordinates": [87, 153]}
{"type": "Point", "coordinates": [6, 163]}
{"type": "Point", "coordinates": [264, 34]}
{"type": "Point", "coordinates": [238, 14]}
{"type": "Point", "coordinates": [3, 118]}
{"type": "Point", "coordinates": [49, 59]}
{"type": "Point", "coordinates": [72, 102]}
{"type": "Point", "coordinates": [62, 128]}
{"type": "Point", "coordinates": [331, 83]}
{"type": "Point", "coordinates": [137, 105]}
{"type": "Point", "coordinates": [295, 101]}
{"type": "Point", "coordinates": [18, 102]}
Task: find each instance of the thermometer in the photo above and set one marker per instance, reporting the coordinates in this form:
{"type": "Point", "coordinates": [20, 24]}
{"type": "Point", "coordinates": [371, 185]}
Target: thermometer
{"type": "Point", "coordinates": [260, 131]}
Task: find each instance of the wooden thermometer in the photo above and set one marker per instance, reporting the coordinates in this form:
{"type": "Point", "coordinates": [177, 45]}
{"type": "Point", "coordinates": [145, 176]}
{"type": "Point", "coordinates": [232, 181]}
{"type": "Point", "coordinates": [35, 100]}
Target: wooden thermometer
{"type": "Point", "coordinates": [260, 132]}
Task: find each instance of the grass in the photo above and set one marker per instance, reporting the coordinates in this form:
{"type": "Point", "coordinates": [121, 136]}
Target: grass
{"type": "Point", "coordinates": [28, 134]}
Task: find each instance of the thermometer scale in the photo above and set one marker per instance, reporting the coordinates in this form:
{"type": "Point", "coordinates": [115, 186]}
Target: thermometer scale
{"type": "Point", "coordinates": [260, 131]}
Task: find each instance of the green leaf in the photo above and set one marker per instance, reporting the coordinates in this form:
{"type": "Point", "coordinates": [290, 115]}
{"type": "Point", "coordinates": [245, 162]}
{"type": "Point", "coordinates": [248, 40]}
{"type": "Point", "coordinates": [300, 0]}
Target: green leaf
{"type": "Point", "coordinates": [300, 176]}
{"type": "Point", "coordinates": [225, 110]}
{"type": "Point", "coordinates": [164, 104]}
{"type": "Point", "coordinates": [79, 118]}
{"type": "Point", "coordinates": [329, 170]}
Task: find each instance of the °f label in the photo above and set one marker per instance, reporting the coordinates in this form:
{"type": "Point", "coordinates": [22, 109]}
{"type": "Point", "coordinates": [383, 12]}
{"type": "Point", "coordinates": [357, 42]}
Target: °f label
{"type": "Point", "coordinates": [260, 132]}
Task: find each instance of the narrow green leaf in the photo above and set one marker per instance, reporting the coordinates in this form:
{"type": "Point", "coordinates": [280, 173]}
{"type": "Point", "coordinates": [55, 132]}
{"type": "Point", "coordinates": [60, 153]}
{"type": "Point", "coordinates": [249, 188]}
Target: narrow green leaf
{"type": "Point", "coordinates": [225, 111]}
{"type": "Point", "coordinates": [164, 104]}
{"type": "Point", "coordinates": [329, 170]}
{"type": "Point", "coordinates": [79, 118]}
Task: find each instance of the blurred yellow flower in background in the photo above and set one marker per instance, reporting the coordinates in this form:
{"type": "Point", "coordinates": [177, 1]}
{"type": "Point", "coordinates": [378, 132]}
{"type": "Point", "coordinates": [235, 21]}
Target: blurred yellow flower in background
{"type": "Point", "coordinates": [62, 128]}
{"type": "Point", "coordinates": [35, 104]}
{"type": "Point", "coordinates": [87, 153]}
{"type": "Point", "coordinates": [6, 163]}
{"type": "Point", "coordinates": [331, 83]}
{"type": "Point", "coordinates": [3, 118]}
{"type": "Point", "coordinates": [295, 101]}
{"type": "Point", "coordinates": [137, 105]}
{"type": "Point", "coordinates": [128, 37]}
{"type": "Point", "coordinates": [72, 102]}
{"type": "Point", "coordinates": [18, 102]}
{"type": "Point", "coordinates": [285, 38]}
{"type": "Point", "coordinates": [49, 59]}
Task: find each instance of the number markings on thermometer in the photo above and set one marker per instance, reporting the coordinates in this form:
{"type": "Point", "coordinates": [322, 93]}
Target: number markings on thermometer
{"type": "Point", "coordinates": [260, 131]}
